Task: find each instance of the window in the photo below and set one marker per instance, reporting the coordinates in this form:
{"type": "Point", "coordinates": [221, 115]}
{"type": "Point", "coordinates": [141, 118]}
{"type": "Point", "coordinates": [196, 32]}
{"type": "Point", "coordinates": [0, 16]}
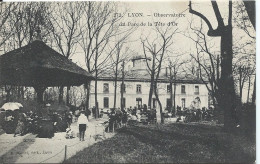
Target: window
{"type": "Point", "coordinates": [197, 90]}
{"type": "Point", "coordinates": [169, 88]}
{"type": "Point", "coordinates": [183, 89]}
{"type": "Point", "coordinates": [123, 87]}
{"type": "Point", "coordinates": [106, 87]}
{"type": "Point", "coordinates": [106, 102]}
{"type": "Point", "coordinates": [183, 102]}
{"type": "Point", "coordinates": [138, 88]}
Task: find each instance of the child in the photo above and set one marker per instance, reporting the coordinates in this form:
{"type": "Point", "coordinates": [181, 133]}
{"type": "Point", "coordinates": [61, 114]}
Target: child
{"type": "Point", "coordinates": [69, 133]}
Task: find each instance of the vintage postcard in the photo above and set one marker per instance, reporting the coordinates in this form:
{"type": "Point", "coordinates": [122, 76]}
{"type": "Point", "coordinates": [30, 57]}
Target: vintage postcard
{"type": "Point", "coordinates": [128, 81]}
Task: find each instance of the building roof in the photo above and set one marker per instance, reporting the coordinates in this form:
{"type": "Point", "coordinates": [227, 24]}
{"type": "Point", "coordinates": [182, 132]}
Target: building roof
{"type": "Point", "coordinates": [138, 57]}
{"type": "Point", "coordinates": [145, 77]}
{"type": "Point", "coordinates": [38, 64]}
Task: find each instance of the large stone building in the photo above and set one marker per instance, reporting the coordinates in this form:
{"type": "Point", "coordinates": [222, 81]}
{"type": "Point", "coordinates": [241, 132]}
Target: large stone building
{"type": "Point", "coordinates": [137, 86]}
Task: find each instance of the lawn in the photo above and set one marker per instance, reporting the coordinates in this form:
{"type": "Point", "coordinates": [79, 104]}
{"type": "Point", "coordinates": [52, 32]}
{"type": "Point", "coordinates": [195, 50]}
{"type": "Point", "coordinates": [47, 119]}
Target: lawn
{"type": "Point", "coordinates": [172, 143]}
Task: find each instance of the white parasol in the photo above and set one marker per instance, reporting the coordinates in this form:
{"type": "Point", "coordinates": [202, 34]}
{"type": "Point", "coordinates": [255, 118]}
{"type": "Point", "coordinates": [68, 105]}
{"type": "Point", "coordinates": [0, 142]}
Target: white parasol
{"type": "Point", "coordinates": [12, 106]}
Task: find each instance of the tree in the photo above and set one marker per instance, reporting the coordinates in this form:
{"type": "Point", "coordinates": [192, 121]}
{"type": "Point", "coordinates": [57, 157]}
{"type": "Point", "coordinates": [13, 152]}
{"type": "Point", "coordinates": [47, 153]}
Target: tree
{"type": "Point", "coordinates": [100, 27]}
{"type": "Point", "coordinates": [164, 40]}
{"type": "Point", "coordinates": [250, 9]}
{"type": "Point", "coordinates": [245, 19]}
{"type": "Point", "coordinates": [6, 29]}
{"type": "Point", "coordinates": [76, 96]}
{"type": "Point", "coordinates": [118, 58]}
{"type": "Point", "coordinates": [243, 70]}
{"type": "Point", "coordinates": [174, 68]}
{"type": "Point", "coordinates": [65, 30]}
{"type": "Point", "coordinates": [207, 62]}
{"type": "Point", "coordinates": [227, 98]}
{"type": "Point", "coordinates": [25, 22]}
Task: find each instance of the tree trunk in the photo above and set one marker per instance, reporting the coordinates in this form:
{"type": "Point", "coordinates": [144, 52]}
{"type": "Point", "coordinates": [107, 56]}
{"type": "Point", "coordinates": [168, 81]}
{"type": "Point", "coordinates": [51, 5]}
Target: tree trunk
{"type": "Point", "coordinates": [22, 92]}
{"type": "Point", "coordinates": [171, 97]}
{"type": "Point", "coordinates": [122, 85]}
{"type": "Point", "coordinates": [249, 87]}
{"type": "Point", "coordinates": [213, 99]}
{"type": "Point", "coordinates": [227, 102]}
{"type": "Point", "coordinates": [87, 87]}
{"type": "Point", "coordinates": [122, 96]}
{"type": "Point", "coordinates": [254, 92]}
{"type": "Point", "coordinates": [171, 92]}
{"type": "Point", "coordinates": [250, 8]}
{"type": "Point", "coordinates": [151, 90]}
{"type": "Point", "coordinates": [96, 102]}
{"type": "Point", "coordinates": [158, 100]}
{"type": "Point", "coordinates": [61, 94]}
{"type": "Point", "coordinates": [18, 92]}
{"type": "Point", "coordinates": [39, 90]}
{"type": "Point", "coordinates": [174, 92]}
{"type": "Point", "coordinates": [68, 96]}
{"type": "Point", "coordinates": [240, 81]}
{"type": "Point", "coordinates": [96, 73]}
{"type": "Point", "coordinates": [115, 89]}
{"type": "Point", "coordinates": [8, 93]}
{"type": "Point", "coordinates": [174, 99]}
{"type": "Point", "coordinates": [227, 95]}
{"type": "Point", "coordinates": [152, 80]}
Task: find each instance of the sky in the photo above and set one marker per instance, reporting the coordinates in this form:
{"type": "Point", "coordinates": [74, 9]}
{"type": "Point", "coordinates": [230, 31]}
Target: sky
{"type": "Point", "coordinates": [182, 46]}
{"type": "Point", "coordinates": [146, 8]}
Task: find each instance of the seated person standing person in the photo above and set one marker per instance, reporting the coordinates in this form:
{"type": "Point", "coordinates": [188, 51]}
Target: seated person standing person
{"type": "Point", "coordinates": [82, 124]}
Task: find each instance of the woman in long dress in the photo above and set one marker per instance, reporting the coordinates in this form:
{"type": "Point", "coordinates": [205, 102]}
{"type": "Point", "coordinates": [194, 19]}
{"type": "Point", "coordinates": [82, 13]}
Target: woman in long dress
{"type": "Point", "coordinates": [20, 128]}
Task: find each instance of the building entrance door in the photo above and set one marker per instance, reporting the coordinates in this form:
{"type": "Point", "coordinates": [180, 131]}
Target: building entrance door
{"type": "Point", "coordinates": [168, 104]}
{"type": "Point", "coordinates": [138, 103]}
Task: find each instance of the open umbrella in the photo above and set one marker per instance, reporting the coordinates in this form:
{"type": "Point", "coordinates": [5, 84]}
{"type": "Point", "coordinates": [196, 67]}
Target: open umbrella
{"type": "Point", "coordinates": [12, 106]}
{"type": "Point", "coordinates": [19, 104]}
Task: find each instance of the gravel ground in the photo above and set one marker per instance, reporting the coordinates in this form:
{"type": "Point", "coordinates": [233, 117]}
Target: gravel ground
{"type": "Point", "coordinates": [30, 149]}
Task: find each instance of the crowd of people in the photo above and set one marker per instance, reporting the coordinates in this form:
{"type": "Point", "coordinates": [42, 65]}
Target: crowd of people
{"type": "Point", "coordinates": [119, 118]}
{"type": "Point", "coordinates": [195, 115]}
{"type": "Point", "coordinates": [44, 122]}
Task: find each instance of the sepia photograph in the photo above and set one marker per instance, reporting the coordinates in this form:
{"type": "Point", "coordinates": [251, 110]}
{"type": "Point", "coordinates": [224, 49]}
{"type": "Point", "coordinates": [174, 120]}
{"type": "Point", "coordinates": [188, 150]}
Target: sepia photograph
{"type": "Point", "coordinates": [128, 81]}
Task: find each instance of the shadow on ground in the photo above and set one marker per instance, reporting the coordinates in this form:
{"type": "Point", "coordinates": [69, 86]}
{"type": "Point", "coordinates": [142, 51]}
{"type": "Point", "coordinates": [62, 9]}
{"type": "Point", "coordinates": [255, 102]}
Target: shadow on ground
{"type": "Point", "coordinates": [19, 150]}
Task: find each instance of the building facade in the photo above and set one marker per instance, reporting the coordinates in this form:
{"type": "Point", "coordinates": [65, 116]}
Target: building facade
{"type": "Point", "coordinates": [137, 86]}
